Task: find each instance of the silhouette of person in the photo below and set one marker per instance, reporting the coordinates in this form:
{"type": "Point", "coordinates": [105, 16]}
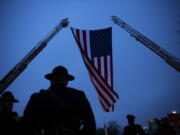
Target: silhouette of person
{"type": "Point", "coordinates": [59, 110]}
{"type": "Point", "coordinates": [132, 128]}
{"type": "Point", "coordinates": [9, 120]}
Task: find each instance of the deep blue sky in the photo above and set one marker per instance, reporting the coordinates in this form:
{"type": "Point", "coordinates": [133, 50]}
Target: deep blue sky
{"type": "Point", "coordinates": [147, 86]}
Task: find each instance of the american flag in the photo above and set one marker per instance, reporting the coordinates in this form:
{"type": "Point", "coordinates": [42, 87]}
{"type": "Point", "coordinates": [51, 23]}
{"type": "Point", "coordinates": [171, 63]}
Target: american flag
{"type": "Point", "coordinates": [96, 50]}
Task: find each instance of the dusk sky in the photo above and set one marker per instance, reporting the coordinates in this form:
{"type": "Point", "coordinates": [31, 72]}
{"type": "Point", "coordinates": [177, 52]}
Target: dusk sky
{"type": "Point", "coordinates": [147, 86]}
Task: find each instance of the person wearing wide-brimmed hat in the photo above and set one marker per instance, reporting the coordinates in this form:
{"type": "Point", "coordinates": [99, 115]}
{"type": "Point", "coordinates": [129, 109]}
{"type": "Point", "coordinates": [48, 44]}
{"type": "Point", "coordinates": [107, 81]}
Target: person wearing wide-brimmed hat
{"type": "Point", "coordinates": [59, 110]}
{"type": "Point", "coordinates": [9, 120]}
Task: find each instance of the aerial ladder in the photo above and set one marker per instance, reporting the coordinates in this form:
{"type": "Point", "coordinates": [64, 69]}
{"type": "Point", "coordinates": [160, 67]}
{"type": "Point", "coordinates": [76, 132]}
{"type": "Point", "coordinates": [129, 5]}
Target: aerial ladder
{"type": "Point", "coordinates": [22, 65]}
{"type": "Point", "coordinates": [171, 60]}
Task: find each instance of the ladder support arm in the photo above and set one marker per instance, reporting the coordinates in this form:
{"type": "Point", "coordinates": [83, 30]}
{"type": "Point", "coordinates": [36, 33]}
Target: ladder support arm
{"type": "Point", "coordinates": [21, 66]}
{"type": "Point", "coordinates": [171, 60]}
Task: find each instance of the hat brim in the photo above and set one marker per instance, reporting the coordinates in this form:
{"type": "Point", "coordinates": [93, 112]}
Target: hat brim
{"type": "Point", "coordinates": [57, 78]}
{"type": "Point", "coordinates": [13, 100]}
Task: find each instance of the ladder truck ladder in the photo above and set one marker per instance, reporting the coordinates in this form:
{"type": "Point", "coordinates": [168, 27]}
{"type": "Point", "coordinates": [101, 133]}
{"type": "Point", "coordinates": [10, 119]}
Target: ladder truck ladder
{"type": "Point", "coordinates": [21, 66]}
{"type": "Point", "coordinates": [171, 60]}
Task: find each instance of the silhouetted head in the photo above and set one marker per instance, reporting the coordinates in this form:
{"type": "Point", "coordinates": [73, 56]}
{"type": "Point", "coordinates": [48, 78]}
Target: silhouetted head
{"type": "Point", "coordinates": [130, 118]}
{"type": "Point", "coordinates": [6, 101]}
{"type": "Point", "coordinates": [59, 75]}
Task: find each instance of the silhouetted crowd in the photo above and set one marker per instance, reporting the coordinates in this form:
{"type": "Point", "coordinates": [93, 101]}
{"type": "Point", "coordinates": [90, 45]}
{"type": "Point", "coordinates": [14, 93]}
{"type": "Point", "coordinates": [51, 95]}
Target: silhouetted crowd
{"type": "Point", "coordinates": [10, 122]}
{"type": "Point", "coordinates": [58, 110]}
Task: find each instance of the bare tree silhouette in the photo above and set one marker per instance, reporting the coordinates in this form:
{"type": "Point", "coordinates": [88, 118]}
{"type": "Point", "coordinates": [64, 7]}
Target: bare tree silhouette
{"type": "Point", "coordinates": [113, 129]}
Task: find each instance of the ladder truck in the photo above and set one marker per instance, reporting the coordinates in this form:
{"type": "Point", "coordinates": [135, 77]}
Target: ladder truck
{"type": "Point", "coordinates": [171, 60]}
{"type": "Point", "coordinates": [22, 65]}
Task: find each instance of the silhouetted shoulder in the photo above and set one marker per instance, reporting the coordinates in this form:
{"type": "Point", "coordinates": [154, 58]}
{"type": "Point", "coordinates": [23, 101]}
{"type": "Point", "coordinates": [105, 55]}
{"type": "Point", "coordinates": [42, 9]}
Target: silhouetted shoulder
{"type": "Point", "coordinates": [34, 95]}
{"type": "Point", "coordinates": [79, 97]}
{"type": "Point", "coordinates": [126, 128]}
{"type": "Point", "coordinates": [40, 93]}
{"type": "Point", "coordinates": [35, 98]}
{"type": "Point", "coordinates": [76, 91]}
{"type": "Point", "coordinates": [138, 126]}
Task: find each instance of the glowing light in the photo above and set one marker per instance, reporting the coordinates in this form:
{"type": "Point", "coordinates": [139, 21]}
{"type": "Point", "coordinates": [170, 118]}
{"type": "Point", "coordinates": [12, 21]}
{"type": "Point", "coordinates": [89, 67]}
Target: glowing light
{"type": "Point", "coordinates": [145, 128]}
{"type": "Point", "coordinates": [174, 112]}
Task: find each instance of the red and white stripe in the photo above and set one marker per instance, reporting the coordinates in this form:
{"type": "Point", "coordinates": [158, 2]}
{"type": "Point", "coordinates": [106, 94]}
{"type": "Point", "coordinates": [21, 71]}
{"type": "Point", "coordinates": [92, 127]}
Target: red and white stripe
{"type": "Point", "coordinates": [100, 70]}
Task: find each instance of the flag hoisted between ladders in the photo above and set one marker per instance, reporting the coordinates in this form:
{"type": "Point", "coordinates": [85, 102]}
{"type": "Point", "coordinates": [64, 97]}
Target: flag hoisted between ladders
{"type": "Point", "coordinates": [96, 50]}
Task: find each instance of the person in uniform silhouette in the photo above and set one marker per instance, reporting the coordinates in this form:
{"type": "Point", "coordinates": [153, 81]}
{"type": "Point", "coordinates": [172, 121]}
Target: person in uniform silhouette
{"type": "Point", "coordinates": [59, 110]}
{"type": "Point", "coordinates": [132, 128]}
{"type": "Point", "coordinates": [9, 120]}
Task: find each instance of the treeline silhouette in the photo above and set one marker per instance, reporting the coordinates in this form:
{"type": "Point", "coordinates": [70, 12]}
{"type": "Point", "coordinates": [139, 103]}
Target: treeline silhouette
{"type": "Point", "coordinates": [112, 127]}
